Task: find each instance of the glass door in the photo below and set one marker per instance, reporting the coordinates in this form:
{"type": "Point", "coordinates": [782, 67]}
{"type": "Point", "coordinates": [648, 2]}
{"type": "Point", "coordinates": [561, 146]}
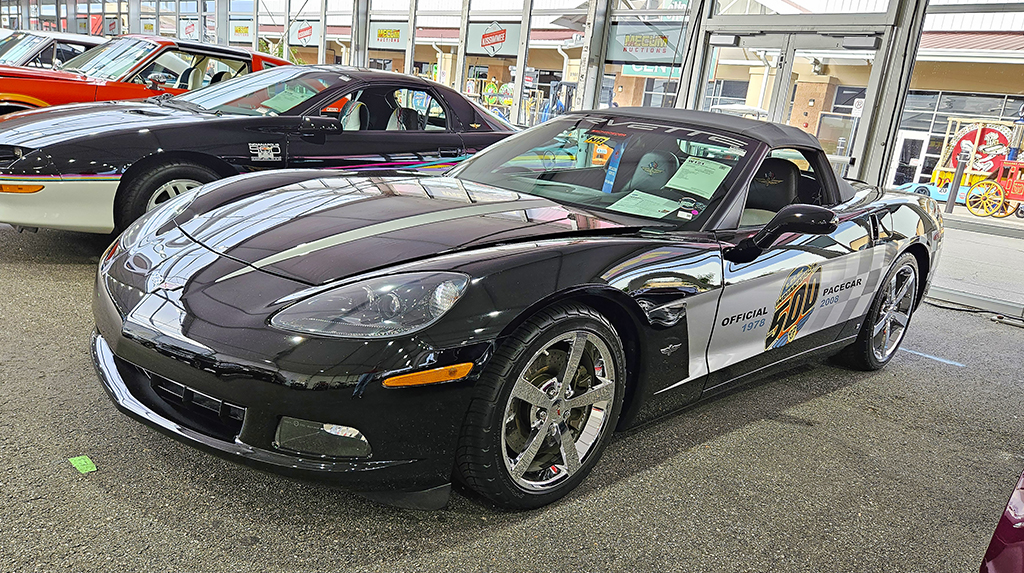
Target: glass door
{"type": "Point", "coordinates": [814, 82]}
{"type": "Point", "coordinates": [743, 76]}
{"type": "Point", "coordinates": [827, 89]}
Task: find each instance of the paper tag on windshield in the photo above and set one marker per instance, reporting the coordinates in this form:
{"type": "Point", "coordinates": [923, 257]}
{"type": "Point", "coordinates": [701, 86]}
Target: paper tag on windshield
{"type": "Point", "coordinates": [645, 205]}
{"type": "Point", "coordinates": [699, 176]}
{"type": "Point", "coordinates": [286, 100]}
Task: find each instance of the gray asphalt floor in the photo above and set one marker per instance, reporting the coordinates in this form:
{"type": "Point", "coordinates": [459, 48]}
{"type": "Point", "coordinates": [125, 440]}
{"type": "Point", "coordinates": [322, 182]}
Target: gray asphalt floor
{"type": "Point", "coordinates": [823, 469]}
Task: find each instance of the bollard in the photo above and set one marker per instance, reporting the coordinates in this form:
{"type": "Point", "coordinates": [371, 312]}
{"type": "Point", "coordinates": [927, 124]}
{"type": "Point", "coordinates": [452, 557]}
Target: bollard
{"type": "Point", "coordinates": [954, 185]}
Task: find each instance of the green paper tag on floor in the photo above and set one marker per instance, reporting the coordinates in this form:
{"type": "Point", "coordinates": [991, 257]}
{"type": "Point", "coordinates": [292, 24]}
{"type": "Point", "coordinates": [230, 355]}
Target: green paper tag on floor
{"type": "Point", "coordinates": [83, 464]}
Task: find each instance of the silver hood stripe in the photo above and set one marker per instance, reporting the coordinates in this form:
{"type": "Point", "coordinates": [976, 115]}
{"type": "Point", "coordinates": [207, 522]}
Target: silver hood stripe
{"type": "Point", "coordinates": [387, 227]}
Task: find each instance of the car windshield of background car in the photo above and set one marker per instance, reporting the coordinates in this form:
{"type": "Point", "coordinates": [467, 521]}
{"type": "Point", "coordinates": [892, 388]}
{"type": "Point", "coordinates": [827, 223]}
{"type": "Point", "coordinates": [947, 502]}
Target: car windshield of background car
{"type": "Point", "coordinates": [670, 172]}
{"type": "Point", "coordinates": [269, 92]}
{"type": "Point", "coordinates": [12, 53]}
{"type": "Point", "coordinates": [110, 61]}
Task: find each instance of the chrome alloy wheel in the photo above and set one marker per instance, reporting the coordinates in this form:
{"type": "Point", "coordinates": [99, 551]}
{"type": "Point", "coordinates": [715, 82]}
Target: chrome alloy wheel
{"type": "Point", "coordinates": [169, 191]}
{"type": "Point", "coordinates": [894, 314]}
{"type": "Point", "coordinates": [558, 410]}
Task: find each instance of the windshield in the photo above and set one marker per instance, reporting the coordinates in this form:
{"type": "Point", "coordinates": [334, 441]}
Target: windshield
{"type": "Point", "coordinates": [110, 61]}
{"type": "Point", "coordinates": [269, 92]}
{"type": "Point", "coordinates": [670, 172]}
{"type": "Point", "coordinates": [16, 47]}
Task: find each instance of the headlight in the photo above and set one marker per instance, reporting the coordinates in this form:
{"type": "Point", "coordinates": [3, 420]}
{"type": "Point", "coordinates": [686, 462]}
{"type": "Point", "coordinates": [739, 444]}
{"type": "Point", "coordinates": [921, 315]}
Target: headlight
{"type": "Point", "coordinates": [376, 308]}
{"type": "Point", "coordinates": [156, 218]}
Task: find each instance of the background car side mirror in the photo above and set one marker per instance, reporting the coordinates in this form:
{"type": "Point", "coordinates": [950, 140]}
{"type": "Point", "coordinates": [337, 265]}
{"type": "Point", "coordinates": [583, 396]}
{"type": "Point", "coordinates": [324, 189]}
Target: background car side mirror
{"type": "Point", "coordinates": [316, 127]}
{"type": "Point", "coordinates": [808, 219]}
{"type": "Point", "coordinates": [157, 80]}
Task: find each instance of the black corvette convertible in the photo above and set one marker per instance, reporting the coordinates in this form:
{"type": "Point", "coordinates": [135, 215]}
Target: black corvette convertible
{"type": "Point", "coordinates": [496, 326]}
{"type": "Point", "coordinates": [97, 167]}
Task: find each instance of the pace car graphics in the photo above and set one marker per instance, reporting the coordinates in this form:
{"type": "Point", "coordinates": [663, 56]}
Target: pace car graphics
{"type": "Point", "coordinates": [794, 306]}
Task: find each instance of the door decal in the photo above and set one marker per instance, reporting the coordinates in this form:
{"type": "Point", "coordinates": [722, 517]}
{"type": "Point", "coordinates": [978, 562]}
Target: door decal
{"type": "Point", "coordinates": [794, 306]}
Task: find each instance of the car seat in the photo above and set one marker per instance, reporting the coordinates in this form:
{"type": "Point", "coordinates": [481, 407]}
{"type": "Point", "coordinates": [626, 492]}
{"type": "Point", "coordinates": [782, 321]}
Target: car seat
{"type": "Point", "coordinates": [404, 118]}
{"type": "Point", "coordinates": [653, 171]}
{"type": "Point", "coordinates": [774, 186]}
{"type": "Point", "coordinates": [185, 79]}
{"type": "Point", "coordinates": [354, 116]}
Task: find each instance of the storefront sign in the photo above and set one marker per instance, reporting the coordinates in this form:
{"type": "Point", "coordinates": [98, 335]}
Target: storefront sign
{"type": "Point", "coordinates": [148, 26]}
{"type": "Point", "coordinates": [111, 26]}
{"type": "Point", "coordinates": [188, 29]}
{"type": "Point", "coordinates": [642, 71]}
{"type": "Point", "coordinates": [304, 33]}
{"type": "Point", "coordinates": [388, 35]}
{"type": "Point", "coordinates": [648, 42]}
{"type": "Point", "coordinates": [240, 30]}
{"type": "Point", "coordinates": [494, 39]}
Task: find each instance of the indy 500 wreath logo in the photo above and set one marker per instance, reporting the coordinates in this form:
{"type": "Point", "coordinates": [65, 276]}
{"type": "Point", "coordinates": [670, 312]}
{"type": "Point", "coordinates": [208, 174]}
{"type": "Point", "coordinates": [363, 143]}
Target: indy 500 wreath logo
{"type": "Point", "coordinates": [265, 151]}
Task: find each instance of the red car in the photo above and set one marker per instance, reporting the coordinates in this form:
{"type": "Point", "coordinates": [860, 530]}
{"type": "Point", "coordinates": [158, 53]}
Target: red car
{"type": "Point", "coordinates": [128, 67]}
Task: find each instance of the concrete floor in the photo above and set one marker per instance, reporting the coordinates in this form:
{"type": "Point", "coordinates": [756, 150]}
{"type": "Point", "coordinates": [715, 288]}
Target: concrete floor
{"type": "Point", "coordinates": [825, 469]}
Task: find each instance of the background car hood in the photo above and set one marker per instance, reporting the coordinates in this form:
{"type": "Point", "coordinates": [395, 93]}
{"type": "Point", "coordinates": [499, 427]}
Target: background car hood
{"type": "Point", "coordinates": [49, 125]}
{"type": "Point", "coordinates": [325, 229]}
{"type": "Point", "coordinates": [43, 74]}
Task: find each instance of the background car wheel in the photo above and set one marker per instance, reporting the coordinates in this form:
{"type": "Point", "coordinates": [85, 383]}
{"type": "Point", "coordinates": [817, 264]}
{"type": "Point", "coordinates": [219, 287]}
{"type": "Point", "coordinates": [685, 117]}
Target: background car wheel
{"type": "Point", "coordinates": [888, 317]}
{"type": "Point", "coordinates": [151, 188]}
{"type": "Point", "coordinates": [544, 409]}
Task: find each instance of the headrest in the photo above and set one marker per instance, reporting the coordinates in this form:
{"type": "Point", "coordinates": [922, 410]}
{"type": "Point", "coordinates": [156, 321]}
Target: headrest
{"type": "Point", "coordinates": [354, 116]}
{"type": "Point", "coordinates": [653, 171]}
{"type": "Point", "coordinates": [774, 186]}
{"type": "Point", "coordinates": [220, 76]}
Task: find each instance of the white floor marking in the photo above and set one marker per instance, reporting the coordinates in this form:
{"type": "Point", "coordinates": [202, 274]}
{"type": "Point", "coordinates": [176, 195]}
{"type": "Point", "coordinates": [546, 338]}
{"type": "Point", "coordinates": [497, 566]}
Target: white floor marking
{"type": "Point", "coordinates": [936, 358]}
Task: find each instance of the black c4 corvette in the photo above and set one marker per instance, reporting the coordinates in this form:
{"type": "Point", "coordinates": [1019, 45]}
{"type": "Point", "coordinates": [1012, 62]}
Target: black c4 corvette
{"type": "Point", "coordinates": [496, 326]}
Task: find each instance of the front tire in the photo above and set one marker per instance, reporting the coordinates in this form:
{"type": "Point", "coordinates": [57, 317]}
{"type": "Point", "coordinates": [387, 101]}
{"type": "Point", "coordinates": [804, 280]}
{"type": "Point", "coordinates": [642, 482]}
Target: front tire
{"type": "Point", "coordinates": [544, 409]}
{"type": "Point", "coordinates": [151, 188]}
{"type": "Point", "coordinates": [888, 317]}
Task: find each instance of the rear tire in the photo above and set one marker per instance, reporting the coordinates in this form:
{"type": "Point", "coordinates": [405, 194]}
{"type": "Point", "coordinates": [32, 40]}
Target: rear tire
{"type": "Point", "coordinates": [151, 188]}
{"type": "Point", "coordinates": [888, 317]}
{"type": "Point", "coordinates": [532, 433]}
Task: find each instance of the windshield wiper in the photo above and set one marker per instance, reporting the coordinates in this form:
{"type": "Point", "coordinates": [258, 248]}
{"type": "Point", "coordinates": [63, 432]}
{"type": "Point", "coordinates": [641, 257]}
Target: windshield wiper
{"type": "Point", "coordinates": [73, 70]}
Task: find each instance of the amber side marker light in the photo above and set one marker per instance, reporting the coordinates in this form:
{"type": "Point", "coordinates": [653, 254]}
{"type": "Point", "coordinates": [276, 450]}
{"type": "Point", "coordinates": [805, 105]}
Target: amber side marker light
{"type": "Point", "coordinates": [8, 188]}
{"type": "Point", "coordinates": [434, 376]}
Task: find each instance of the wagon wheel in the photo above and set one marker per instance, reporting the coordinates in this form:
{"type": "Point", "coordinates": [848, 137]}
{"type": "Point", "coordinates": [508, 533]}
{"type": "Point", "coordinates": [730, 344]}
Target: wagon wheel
{"type": "Point", "coordinates": [984, 197]}
{"type": "Point", "coordinates": [1006, 208]}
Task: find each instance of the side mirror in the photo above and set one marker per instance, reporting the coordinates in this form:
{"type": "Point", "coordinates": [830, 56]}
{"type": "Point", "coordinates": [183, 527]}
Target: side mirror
{"type": "Point", "coordinates": [313, 124]}
{"type": "Point", "coordinates": [807, 219]}
{"type": "Point", "coordinates": [316, 127]}
{"type": "Point", "coordinates": [157, 81]}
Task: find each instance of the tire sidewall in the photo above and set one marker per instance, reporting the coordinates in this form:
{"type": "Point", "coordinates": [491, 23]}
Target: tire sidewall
{"type": "Point", "coordinates": [529, 499]}
{"type": "Point", "coordinates": [139, 190]}
{"type": "Point", "coordinates": [867, 343]}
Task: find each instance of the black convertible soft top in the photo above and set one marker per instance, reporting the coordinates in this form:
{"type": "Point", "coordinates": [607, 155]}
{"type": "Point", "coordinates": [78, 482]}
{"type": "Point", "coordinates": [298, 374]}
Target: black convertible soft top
{"type": "Point", "coordinates": [773, 134]}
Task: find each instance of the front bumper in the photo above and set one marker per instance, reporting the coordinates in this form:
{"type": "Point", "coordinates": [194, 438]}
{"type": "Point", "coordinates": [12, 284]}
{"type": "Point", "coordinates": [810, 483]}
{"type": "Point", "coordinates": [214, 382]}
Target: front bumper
{"type": "Point", "coordinates": [84, 204]}
{"type": "Point", "coordinates": [413, 431]}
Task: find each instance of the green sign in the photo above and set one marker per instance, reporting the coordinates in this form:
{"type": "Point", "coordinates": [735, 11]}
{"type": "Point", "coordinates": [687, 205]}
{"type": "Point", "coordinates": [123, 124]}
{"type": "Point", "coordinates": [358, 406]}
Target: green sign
{"type": "Point", "coordinates": [645, 71]}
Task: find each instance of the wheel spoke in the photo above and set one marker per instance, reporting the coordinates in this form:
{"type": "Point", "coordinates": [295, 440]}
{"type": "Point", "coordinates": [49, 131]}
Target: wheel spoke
{"type": "Point", "coordinates": [600, 393]}
{"type": "Point", "coordinates": [901, 318]}
{"type": "Point", "coordinates": [880, 325]}
{"type": "Point", "coordinates": [567, 445]}
{"type": "Point", "coordinates": [530, 394]}
{"type": "Point", "coordinates": [524, 460]}
{"type": "Point", "coordinates": [903, 290]}
{"type": "Point", "coordinates": [888, 333]}
{"type": "Point", "coordinates": [579, 343]}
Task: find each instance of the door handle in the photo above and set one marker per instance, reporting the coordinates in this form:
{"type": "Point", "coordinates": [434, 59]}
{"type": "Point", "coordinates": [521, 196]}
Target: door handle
{"type": "Point", "coordinates": [450, 151]}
